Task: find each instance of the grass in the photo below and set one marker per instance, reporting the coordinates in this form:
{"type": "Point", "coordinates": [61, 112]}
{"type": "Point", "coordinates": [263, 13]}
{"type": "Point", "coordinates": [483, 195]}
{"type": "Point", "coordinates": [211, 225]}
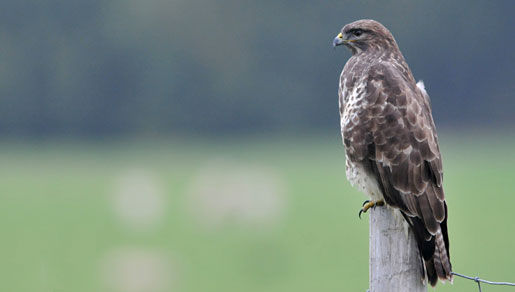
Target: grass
{"type": "Point", "coordinates": [59, 226]}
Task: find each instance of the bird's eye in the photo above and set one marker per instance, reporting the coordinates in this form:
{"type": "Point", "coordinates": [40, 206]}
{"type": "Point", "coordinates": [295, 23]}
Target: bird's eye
{"type": "Point", "coordinates": [357, 32]}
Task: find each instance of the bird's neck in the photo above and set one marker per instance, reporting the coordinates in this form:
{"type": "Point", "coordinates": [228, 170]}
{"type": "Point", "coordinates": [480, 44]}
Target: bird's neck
{"type": "Point", "coordinates": [392, 55]}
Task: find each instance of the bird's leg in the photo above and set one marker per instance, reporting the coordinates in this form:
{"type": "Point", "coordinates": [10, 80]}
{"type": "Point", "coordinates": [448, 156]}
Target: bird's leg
{"type": "Point", "coordinates": [370, 204]}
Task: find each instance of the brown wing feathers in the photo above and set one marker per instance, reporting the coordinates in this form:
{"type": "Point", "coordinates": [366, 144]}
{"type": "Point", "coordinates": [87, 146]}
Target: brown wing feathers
{"type": "Point", "coordinates": [404, 156]}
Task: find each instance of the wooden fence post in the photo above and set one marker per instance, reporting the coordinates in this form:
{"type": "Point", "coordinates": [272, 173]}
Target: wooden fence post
{"type": "Point", "coordinates": [394, 257]}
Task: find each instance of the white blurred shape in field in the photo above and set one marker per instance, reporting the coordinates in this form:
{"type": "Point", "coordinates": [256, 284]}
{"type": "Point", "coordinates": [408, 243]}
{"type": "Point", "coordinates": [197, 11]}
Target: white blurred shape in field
{"type": "Point", "coordinates": [224, 192]}
{"type": "Point", "coordinates": [137, 270]}
{"type": "Point", "coordinates": [138, 200]}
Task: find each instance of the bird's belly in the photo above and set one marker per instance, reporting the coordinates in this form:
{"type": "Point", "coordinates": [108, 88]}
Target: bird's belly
{"type": "Point", "coordinates": [362, 180]}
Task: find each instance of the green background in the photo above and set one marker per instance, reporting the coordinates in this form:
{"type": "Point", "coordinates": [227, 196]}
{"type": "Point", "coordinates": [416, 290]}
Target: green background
{"type": "Point", "coordinates": [61, 230]}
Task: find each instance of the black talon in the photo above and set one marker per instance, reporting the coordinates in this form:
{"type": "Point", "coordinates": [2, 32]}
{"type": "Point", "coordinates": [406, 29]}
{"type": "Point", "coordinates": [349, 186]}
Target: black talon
{"type": "Point", "coordinates": [361, 211]}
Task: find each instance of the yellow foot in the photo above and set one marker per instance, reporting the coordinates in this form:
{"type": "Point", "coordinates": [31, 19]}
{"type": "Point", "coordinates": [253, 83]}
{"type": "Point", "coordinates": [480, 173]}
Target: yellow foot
{"type": "Point", "coordinates": [370, 204]}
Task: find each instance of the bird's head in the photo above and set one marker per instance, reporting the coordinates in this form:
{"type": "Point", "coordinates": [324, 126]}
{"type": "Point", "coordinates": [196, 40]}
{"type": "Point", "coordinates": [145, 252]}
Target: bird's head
{"type": "Point", "coordinates": [363, 35]}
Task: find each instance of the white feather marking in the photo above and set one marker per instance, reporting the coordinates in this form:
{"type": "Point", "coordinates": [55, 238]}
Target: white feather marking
{"type": "Point", "coordinates": [359, 179]}
{"type": "Point", "coordinates": [408, 150]}
{"type": "Point", "coordinates": [401, 122]}
{"type": "Point", "coordinates": [351, 107]}
{"type": "Point", "coordinates": [422, 87]}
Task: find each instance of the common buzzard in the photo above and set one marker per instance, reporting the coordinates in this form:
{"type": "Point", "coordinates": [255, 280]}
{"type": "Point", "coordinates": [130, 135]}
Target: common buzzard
{"type": "Point", "coordinates": [390, 139]}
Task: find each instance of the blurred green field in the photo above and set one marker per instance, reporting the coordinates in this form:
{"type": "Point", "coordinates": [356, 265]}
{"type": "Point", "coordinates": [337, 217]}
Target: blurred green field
{"type": "Point", "coordinates": [260, 214]}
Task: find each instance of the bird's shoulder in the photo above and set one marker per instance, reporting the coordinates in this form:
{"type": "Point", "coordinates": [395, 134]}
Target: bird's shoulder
{"type": "Point", "coordinates": [395, 117]}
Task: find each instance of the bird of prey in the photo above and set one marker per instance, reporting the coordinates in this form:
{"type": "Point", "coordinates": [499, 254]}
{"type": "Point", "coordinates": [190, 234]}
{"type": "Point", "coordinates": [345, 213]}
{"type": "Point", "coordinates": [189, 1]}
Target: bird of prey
{"type": "Point", "coordinates": [391, 146]}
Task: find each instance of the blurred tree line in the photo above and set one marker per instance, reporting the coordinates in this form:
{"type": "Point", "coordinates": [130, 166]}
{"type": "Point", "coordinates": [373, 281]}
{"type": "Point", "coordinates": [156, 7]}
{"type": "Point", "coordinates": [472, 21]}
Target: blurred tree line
{"type": "Point", "coordinates": [98, 67]}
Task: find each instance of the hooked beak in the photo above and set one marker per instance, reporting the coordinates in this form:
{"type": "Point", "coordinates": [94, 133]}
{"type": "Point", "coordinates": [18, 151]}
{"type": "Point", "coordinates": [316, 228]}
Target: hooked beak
{"type": "Point", "coordinates": [338, 40]}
